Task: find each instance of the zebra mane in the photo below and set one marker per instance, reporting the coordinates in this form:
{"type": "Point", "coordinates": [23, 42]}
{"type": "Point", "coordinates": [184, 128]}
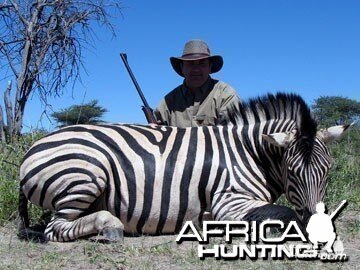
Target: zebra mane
{"type": "Point", "coordinates": [272, 107]}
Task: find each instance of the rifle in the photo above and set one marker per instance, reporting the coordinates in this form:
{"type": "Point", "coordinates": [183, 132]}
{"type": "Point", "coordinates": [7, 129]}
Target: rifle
{"type": "Point", "coordinates": [145, 108]}
{"type": "Point", "coordinates": [337, 210]}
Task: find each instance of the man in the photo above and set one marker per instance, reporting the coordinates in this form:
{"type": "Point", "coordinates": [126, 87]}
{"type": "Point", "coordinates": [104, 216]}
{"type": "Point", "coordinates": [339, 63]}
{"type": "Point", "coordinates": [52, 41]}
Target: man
{"type": "Point", "coordinates": [200, 100]}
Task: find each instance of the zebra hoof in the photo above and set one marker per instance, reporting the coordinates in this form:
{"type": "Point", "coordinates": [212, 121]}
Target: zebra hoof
{"type": "Point", "coordinates": [109, 235]}
{"type": "Point", "coordinates": [113, 234]}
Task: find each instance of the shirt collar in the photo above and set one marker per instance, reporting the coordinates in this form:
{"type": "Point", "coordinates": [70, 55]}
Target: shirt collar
{"type": "Point", "coordinates": [204, 89]}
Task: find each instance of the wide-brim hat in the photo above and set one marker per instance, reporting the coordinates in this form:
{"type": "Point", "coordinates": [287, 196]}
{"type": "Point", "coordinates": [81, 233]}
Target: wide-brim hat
{"type": "Point", "coordinates": [196, 50]}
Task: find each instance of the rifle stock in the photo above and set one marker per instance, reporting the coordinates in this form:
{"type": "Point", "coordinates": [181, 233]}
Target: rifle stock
{"type": "Point", "coordinates": [149, 114]}
{"type": "Point", "coordinates": [146, 108]}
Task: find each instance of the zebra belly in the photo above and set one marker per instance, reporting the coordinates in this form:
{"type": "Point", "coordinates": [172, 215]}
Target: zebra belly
{"type": "Point", "coordinates": [158, 212]}
{"type": "Point", "coordinates": [152, 224]}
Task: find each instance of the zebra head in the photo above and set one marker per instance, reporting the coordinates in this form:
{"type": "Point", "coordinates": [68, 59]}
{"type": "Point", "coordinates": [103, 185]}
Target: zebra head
{"type": "Point", "coordinates": [305, 165]}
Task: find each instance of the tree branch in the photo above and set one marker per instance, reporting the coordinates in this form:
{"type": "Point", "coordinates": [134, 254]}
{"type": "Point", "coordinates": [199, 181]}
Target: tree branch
{"type": "Point", "coordinates": [42, 42]}
{"type": "Point", "coordinates": [2, 126]}
{"type": "Point", "coordinates": [9, 109]}
{"type": "Point", "coordinates": [5, 52]}
{"type": "Point", "coordinates": [18, 12]}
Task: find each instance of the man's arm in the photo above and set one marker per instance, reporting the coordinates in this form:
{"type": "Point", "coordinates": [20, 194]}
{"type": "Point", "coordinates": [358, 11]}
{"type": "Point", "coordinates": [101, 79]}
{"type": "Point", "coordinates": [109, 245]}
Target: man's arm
{"type": "Point", "coordinates": [229, 97]}
{"type": "Point", "coordinates": [228, 100]}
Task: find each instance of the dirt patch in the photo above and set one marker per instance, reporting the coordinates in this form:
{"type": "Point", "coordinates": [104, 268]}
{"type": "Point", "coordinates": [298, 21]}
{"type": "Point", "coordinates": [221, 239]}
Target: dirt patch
{"type": "Point", "coordinates": [149, 252]}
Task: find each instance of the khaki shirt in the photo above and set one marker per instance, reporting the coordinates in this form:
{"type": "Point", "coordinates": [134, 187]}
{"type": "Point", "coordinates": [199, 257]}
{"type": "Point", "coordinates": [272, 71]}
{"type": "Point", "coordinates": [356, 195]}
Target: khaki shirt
{"type": "Point", "coordinates": [206, 106]}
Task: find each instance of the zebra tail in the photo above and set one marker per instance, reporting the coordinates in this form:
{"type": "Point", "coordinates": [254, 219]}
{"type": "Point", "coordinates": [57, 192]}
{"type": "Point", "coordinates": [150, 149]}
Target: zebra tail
{"type": "Point", "coordinates": [25, 232]}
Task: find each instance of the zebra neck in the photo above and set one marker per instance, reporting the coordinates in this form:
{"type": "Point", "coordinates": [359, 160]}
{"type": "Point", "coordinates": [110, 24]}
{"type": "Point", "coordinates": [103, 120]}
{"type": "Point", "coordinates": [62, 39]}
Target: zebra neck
{"type": "Point", "coordinates": [256, 163]}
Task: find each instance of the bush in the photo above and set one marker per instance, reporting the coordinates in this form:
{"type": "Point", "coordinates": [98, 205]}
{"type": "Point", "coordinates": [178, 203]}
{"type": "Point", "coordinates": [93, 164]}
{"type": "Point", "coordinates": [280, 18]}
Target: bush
{"type": "Point", "coordinates": [344, 176]}
{"type": "Point", "coordinates": [10, 159]}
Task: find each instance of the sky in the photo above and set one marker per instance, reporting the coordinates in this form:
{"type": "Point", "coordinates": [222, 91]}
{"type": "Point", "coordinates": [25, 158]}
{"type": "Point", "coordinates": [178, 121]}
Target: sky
{"type": "Point", "coordinates": [307, 47]}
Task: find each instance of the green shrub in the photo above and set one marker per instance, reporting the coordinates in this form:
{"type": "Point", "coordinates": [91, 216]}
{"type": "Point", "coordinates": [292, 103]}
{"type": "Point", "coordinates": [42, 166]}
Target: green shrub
{"type": "Point", "coordinates": [10, 159]}
{"type": "Point", "coordinates": [344, 176]}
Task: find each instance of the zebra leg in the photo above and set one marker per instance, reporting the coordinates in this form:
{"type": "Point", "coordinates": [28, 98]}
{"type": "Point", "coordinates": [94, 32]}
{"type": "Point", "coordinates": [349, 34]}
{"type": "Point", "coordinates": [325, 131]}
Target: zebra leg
{"type": "Point", "coordinates": [273, 212]}
{"type": "Point", "coordinates": [80, 211]}
{"type": "Point", "coordinates": [61, 229]}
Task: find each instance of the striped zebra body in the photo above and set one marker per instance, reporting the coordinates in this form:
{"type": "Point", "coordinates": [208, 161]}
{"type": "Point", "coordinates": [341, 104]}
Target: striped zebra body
{"type": "Point", "coordinates": [150, 179]}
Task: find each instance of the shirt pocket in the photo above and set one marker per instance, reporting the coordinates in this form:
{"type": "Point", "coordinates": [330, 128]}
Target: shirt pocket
{"type": "Point", "coordinates": [205, 120]}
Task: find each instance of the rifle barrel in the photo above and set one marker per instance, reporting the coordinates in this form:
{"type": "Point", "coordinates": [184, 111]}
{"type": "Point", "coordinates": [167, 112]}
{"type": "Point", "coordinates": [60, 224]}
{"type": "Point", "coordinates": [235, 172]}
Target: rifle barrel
{"type": "Point", "coordinates": [337, 210]}
{"type": "Point", "coordinates": [146, 108]}
{"type": "Point", "coordinates": [124, 58]}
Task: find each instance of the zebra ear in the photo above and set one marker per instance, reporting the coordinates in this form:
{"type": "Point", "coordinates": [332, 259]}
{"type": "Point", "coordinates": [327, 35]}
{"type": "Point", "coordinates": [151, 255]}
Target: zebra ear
{"type": "Point", "coordinates": [282, 139]}
{"type": "Point", "coordinates": [333, 133]}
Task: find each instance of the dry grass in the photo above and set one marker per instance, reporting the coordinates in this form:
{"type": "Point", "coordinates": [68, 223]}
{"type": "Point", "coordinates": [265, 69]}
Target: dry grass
{"type": "Point", "coordinates": [160, 252]}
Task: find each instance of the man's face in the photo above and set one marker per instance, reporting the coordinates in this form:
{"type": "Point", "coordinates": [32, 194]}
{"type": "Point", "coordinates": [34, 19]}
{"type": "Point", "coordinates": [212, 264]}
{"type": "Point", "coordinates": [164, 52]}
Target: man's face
{"type": "Point", "coordinates": [196, 72]}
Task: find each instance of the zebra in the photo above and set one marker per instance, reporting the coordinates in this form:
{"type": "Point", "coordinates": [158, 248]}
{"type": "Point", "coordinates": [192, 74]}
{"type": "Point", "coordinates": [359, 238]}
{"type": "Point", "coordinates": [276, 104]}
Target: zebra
{"type": "Point", "coordinates": [108, 179]}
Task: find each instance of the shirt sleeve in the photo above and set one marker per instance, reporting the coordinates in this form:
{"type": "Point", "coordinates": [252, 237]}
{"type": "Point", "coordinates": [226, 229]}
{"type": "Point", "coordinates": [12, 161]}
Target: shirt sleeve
{"type": "Point", "coordinates": [229, 99]}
